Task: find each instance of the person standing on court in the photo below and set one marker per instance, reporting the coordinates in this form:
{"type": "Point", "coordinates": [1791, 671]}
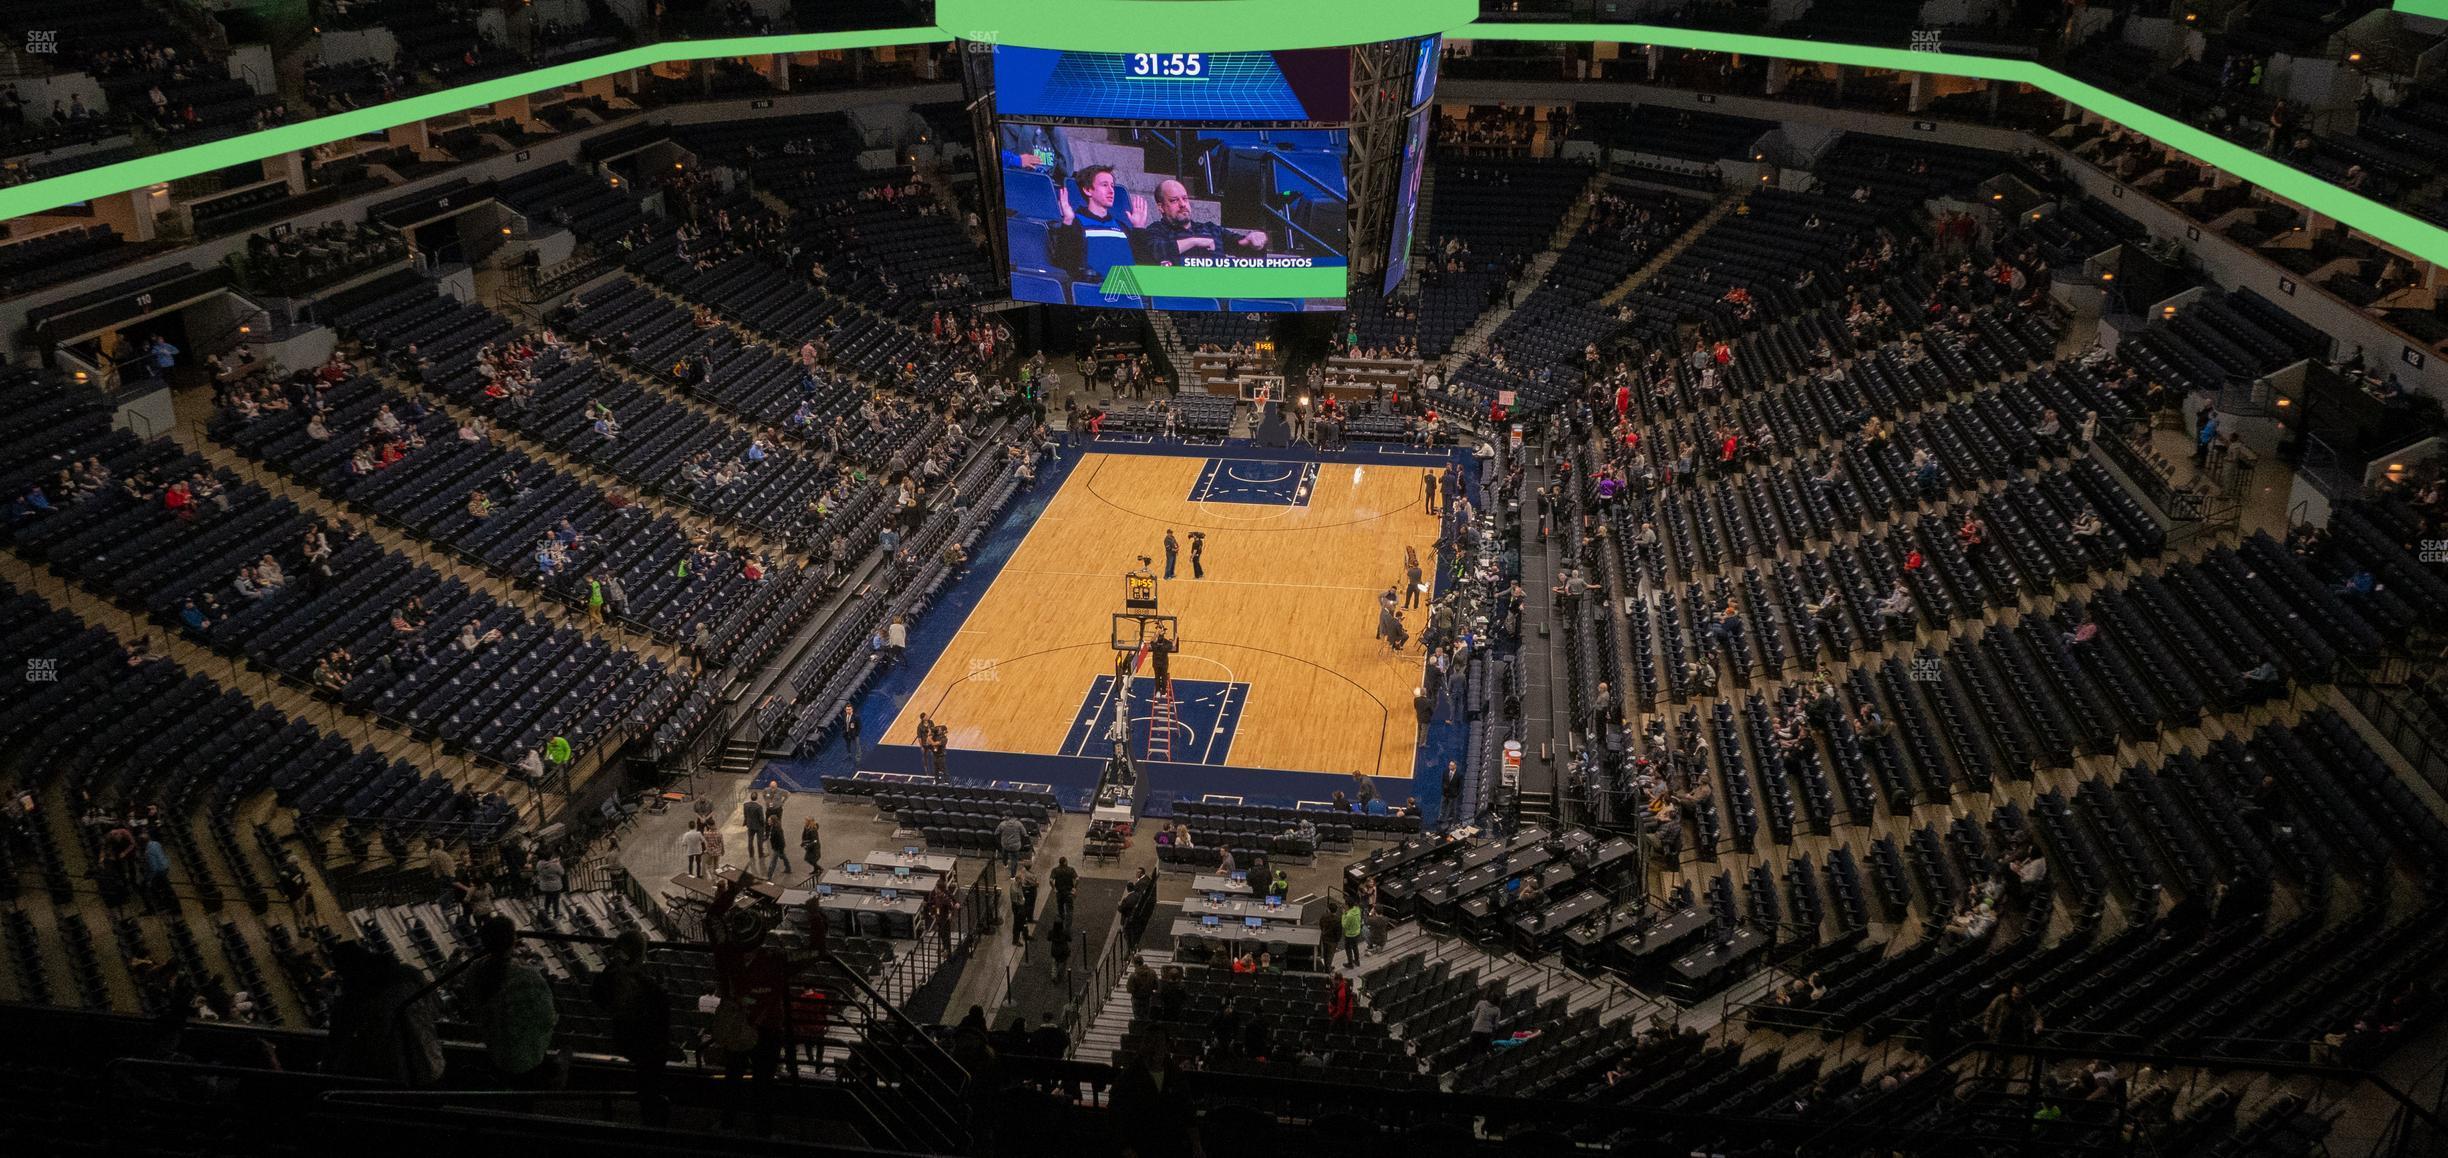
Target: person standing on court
{"type": "Point", "coordinates": [752, 813]}
{"type": "Point", "coordinates": [1172, 551]}
{"type": "Point", "coordinates": [1412, 581]}
{"type": "Point", "coordinates": [1198, 551]}
{"type": "Point", "coordinates": [1428, 493]}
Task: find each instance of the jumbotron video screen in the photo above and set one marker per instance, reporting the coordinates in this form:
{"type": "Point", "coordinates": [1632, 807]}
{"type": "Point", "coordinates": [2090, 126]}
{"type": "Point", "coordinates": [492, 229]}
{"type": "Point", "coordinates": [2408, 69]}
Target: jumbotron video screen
{"type": "Point", "coordinates": [1119, 160]}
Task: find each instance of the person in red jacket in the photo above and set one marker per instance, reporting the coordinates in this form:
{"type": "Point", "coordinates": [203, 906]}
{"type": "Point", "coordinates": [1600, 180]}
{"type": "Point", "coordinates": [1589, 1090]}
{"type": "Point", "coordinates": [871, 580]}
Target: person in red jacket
{"type": "Point", "coordinates": [1339, 1003]}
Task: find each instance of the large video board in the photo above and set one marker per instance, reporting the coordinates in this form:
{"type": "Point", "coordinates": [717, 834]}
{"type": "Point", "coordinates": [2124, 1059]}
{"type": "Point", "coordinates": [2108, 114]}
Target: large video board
{"type": "Point", "coordinates": [1114, 163]}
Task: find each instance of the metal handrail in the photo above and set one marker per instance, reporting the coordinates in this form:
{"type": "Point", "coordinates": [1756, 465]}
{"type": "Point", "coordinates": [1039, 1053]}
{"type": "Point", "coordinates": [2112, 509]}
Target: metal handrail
{"type": "Point", "coordinates": [947, 1110]}
{"type": "Point", "coordinates": [1094, 984]}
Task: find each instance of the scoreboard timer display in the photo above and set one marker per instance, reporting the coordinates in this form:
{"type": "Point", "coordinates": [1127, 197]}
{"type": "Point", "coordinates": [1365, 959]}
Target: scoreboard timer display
{"type": "Point", "coordinates": [1168, 65]}
{"type": "Point", "coordinates": [1300, 86]}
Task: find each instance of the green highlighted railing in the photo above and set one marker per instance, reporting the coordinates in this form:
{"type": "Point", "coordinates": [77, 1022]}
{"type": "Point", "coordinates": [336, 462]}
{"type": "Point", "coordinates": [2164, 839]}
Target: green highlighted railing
{"type": "Point", "coordinates": [86, 185]}
{"type": "Point", "coordinates": [1227, 24]}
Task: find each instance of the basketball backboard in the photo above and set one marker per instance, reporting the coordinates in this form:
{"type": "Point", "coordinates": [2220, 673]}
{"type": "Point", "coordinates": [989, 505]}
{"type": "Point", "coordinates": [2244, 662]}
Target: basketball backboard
{"type": "Point", "coordinates": [1131, 628]}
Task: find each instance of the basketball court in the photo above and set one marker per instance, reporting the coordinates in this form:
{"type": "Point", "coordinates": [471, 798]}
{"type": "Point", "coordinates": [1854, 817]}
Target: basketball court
{"type": "Point", "coordinates": [1278, 664]}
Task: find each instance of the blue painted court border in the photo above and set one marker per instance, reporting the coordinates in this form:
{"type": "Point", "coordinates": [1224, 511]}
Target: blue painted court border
{"type": "Point", "coordinates": [1074, 778]}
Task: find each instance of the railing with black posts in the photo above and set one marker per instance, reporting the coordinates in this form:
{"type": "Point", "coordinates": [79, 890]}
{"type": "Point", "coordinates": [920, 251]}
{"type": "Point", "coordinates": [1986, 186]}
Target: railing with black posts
{"type": "Point", "coordinates": [1094, 981]}
{"type": "Point", "coordinates": [2409, 726]}
{"type": "Point", "coordinates": [909, 1087]}
{"type": "Point", "coordinates": [944, 938]}
{"type": "Point", "coordinates": [897, 1070]}
{"type": "Point", "coordinates": [2179, 504]}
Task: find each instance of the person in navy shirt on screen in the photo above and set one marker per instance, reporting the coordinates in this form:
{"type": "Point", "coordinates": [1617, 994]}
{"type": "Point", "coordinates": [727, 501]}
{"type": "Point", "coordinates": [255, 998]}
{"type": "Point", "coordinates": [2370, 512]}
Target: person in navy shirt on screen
{"type": "Point", "coordinates": [1174, 236]}
{"type": "Point", "coordinates": [1084, 227]}
{"type": "Point", "coordinates": [1042, 148]}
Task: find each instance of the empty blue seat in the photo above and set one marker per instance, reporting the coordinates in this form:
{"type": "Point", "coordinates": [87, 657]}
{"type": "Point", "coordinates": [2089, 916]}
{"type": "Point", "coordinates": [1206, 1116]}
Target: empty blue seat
{"type": "Point", "coordinates": [1030, 194]}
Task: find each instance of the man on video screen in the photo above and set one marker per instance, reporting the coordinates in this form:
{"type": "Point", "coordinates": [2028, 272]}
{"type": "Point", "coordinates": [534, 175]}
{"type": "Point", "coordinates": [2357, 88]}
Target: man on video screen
{"type": "Point", "coordinates": [1038, 148]}
{"type": "Point", "coordinates": [1174, 236]}
{"type": "Point", "coordinates": [1094, 237]}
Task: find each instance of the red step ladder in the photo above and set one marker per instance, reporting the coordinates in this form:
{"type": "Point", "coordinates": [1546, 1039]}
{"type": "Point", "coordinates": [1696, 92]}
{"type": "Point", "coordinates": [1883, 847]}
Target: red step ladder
{"type": "Point", "coordinates": [1160, 726]}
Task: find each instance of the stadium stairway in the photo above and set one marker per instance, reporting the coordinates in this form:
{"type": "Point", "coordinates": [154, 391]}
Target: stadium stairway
{"type": "Point", "coordinates": [1176, 353]}
{"type": "Point", "coordinates": [1098, 1041]}
{"type": "Point", "coordinates": [1474, 340]}
{"type": "Point", "coordinates": [1673, 250]}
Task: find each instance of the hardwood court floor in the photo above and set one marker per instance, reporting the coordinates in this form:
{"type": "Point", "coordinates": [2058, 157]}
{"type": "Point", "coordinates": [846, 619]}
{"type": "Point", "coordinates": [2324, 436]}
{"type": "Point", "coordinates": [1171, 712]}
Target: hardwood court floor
{"type": "Point", "coordinates": [1289, 608]}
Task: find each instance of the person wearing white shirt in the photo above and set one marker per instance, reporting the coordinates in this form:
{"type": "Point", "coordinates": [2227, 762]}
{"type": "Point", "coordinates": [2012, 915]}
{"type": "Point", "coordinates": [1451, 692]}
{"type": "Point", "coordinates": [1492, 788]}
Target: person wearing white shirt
{"type": "Point", "coordinates": [692, 845]}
